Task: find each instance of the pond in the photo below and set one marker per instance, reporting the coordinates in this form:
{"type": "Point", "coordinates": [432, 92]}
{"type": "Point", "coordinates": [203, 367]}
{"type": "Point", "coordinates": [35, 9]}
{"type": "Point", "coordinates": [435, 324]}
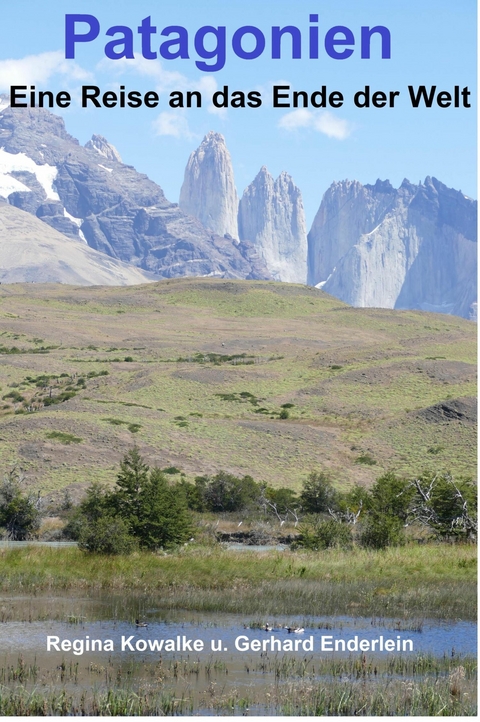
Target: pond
{"type": "Point", "coordinates": [214, 663]}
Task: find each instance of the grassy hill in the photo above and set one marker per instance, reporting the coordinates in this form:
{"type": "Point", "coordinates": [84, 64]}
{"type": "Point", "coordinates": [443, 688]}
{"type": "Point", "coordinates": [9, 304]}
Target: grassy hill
{"type": "Point", "coordinates": [196, 372]}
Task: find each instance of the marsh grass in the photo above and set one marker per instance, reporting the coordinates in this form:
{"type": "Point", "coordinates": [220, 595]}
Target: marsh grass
{"type": "Point", "coordinates": [429, 697]}
{"type": "Point", "coordinates": [356, 686]}
{"type": "Point", "coordinates": [411, 582]}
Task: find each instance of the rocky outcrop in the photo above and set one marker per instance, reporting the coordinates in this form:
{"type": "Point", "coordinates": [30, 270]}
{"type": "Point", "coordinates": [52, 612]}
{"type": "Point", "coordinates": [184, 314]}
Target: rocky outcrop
{"type": "Point", "coordinates": [411, 247]}
{"type": "Point", "coordinates": [271, 215]}
{"type": "Point", "coordinates": [208, 191]}
{"type": "Point", "coordinates": [103, 147]}
{"type": "Point", "coordinates": [87, 194]}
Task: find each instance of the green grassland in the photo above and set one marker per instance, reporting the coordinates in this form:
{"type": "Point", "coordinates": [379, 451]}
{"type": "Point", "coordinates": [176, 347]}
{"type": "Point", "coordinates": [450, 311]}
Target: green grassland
{"type": "Point", "coordinates": [196, 371]}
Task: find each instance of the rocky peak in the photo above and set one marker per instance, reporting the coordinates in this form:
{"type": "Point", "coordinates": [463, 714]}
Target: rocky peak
{"type": "Point", "coordinates": [412, 247]}
{"type": "Point", "coordinates": [271, 216]}
{"type": "Point", "coordinates": [101, 145]}
{"type": "Point", "coordinates": [87, 194]}
{"type": "Point", "coordinates": [208, 191]}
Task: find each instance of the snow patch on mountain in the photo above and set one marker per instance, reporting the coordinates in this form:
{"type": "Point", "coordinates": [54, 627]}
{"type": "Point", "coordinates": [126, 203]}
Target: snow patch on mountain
{"type": "Point", "coordinates": [11, 162]}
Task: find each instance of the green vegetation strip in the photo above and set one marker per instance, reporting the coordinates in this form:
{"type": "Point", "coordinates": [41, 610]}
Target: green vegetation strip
{"type": "Point", "coordinates": [64, 437]}
{"type": "Point", "coordinates": [428, 580]}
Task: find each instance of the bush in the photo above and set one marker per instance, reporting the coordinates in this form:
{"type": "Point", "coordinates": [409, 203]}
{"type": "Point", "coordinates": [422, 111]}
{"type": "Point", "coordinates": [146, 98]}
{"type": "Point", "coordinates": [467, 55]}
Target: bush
{"type": "Point", "coordinates": [447, 506]}
{"type": "Point", "coordinates": [318, 494]}
{"type": "Point", "coordinates": [326, 534]}
{"type": "Point", "coordinates": [357, 499]}
{"type": "Point", "coordinates": [108, 535]}
{"type": "Point", "coordinates": [64, 437]}
{"type": "Point", "coordinates": [193, 494]}
{"type": "Point", "coordinates": [365, 459]}
{"type": "Point", "coordinates": [226, 492]}
{"type": "Point", "coordinates": [19, 514]}
{"type": "Point", "coordinates": [283, 499]}
{"type": "Point", "coordinates": [380, 532]}
{"type": "Point", "coordinates": [391, 495]}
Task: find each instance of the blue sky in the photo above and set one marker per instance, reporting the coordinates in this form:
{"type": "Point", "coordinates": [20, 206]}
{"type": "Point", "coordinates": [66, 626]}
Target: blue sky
{"type": "Point", "coordinates": [433, 43]}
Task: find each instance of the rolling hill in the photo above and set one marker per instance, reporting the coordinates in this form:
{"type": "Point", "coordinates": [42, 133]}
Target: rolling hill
{"type": "Point", "coordinates": [197, 371]}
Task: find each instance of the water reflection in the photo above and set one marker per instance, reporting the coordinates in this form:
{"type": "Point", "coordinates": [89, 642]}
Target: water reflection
{"type": "Point", "coordinates": [218, 678]}
{"type": "Point", "coordinates": [27, 621]}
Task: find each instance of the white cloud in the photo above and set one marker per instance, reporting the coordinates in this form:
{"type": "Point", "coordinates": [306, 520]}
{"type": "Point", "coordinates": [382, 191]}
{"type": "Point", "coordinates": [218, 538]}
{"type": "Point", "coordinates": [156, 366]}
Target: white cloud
{"type": "Point", "coordinates": [164, 81]}
{"type": "Point", "coordinates": [173, 124]}
{"type": "Point", "coordinates": [321, 121]}
{"type": "Point", "coordinates": [301, 118]}
{"type": "Point", "coordinates": [220, 112]}
{"type": "Point", "coordinates": [40, 68]}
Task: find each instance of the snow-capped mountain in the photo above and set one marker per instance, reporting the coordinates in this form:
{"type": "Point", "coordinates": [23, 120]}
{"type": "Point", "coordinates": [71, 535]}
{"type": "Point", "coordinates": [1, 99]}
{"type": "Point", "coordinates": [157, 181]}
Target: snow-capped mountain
{"type": "Point", "coordinates": [87, 193]}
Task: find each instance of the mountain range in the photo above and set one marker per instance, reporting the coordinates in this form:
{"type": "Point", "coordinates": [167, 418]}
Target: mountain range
{"type": "Point", "coordinates": [369, 245]}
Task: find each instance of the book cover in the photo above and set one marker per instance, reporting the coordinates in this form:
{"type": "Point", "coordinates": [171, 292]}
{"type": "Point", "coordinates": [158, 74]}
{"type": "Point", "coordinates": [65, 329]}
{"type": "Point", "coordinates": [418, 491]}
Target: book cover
{"type": "Point", "coordinates": [238, 280]}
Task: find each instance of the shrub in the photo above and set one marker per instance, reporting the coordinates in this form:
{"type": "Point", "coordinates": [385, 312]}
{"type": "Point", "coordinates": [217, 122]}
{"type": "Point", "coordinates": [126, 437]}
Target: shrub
{"type": "Point", "coordinates": [108, 535]}
{"type": "Point", "coordinates": [226, 492]}
{"type": "Point", "coordinates": [19, 514]}
{"type": "Point", "coordinates": [366, 459]}
{"type": "Point", "coordinates": [391, 495]}
{"type": "Point", "coordinates": [354, 500]}
{"type": "Point", "coordinates": [283, 499]}
{"type": "Point", "coordinates": [193, 494]}
{"type": "Point", "coordinates": [380, 532]}
{"type": "Point", "coordinates": [64, 438]}
{"type": "Point", "coordinates": [326, 534]}
{"type": "Point", "coordinates": [15, 396]}
{"type": "Point", "coordinates": [445, 505]}
{"type": "Point", "coordinates": [318, 494]}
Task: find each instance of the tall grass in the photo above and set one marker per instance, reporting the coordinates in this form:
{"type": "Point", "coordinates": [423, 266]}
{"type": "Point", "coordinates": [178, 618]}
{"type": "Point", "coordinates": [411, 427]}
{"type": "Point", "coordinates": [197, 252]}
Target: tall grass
{"type": "Point", "coordinates": [426, 581]}
{"type": "Point", "coordinates": [287, 686]}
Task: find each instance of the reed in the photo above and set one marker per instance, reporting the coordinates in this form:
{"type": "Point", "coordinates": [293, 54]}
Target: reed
{"type": "Point", "coordinates": [356, 686]}
{"type": "Point", "coordinates": [411, 582]}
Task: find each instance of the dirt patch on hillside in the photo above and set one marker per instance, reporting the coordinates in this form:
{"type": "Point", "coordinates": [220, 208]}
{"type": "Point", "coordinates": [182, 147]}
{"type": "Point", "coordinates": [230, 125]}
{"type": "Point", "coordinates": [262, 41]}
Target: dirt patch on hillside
{"type": "Point", "coordinates": [440, 371]}
{"type": "Point", "coordinates": [213, 376]}
{"type": "Point", "coordinates": [296, 432]}
{"type": "Point", "coordinates": [464, 410]}
{"type": "Point", "coordinates": [449, 371]}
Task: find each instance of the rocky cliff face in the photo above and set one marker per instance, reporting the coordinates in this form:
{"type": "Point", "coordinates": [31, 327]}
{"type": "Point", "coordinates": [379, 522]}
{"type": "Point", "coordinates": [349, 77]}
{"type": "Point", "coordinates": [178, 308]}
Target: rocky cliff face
{"type": "Point", "coordinates": [208, 191]}
{"type": "Point", "coordinates": [33, 252]}
{"type": "Point", "coordinates": [271, 215]}
{"type": "Point", "coordinates": [411, 247]}
{"type": "Point", "coordinates": [103, 148]}
{"type": "Point", "coordinates": [86, 193]}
